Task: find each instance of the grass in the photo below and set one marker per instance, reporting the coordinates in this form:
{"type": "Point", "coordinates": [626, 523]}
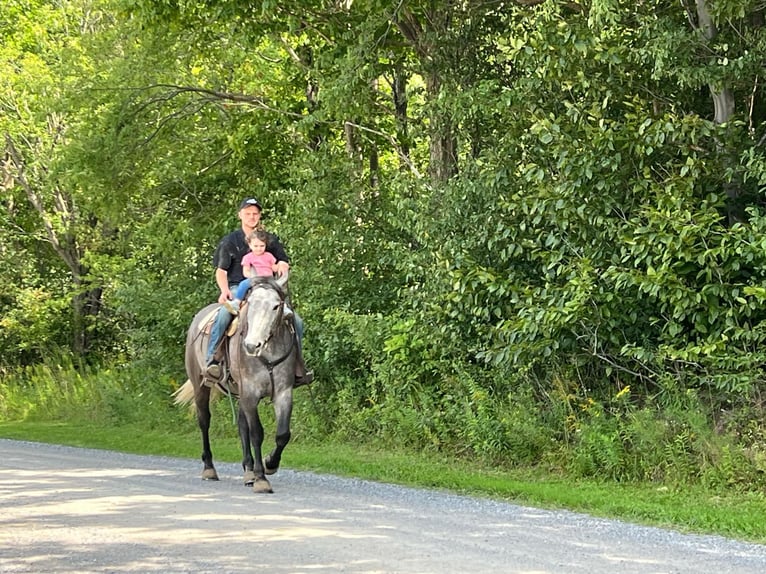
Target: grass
{"type": "Point", "coordinates": [691, 509]}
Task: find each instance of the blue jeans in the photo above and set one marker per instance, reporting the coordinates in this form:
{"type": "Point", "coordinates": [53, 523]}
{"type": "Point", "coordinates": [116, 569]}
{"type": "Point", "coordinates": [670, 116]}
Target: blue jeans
{"type": "Point", "coordinates": [222, 322]}
{"type": "Point", "coordinates": [242, 289]}
{"type": "Point", "coordinates": [298, 327]}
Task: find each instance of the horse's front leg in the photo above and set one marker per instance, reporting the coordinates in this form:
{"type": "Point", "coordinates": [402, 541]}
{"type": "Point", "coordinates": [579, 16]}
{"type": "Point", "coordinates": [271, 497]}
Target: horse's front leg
{"type": "Point", "coordinates": [247, 455]}
{"type": "Point", "coordinates": [202, 402]}
{"type": "Point", "coordinates": [283, 408]}
{"type": "Point", "coordinates": [260, 483]}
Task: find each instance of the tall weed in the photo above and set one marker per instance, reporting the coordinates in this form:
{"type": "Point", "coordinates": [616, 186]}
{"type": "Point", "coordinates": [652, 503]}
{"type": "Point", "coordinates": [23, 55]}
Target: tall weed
{"type": "Point", "coordinates": [663, 443]}
{"type": "Point", "coordinates": [60, 390]}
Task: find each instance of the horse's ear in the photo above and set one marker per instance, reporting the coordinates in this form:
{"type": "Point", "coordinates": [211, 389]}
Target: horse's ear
{"type": "Point", "coordinates": [282, 280]}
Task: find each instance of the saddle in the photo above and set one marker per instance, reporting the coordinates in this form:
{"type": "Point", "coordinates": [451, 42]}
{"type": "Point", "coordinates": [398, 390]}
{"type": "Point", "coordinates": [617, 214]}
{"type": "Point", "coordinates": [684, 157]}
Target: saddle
{"type": "Point", "coordinates": [226, 384]}
{"type": "Point", "coordinates": [206, 326]}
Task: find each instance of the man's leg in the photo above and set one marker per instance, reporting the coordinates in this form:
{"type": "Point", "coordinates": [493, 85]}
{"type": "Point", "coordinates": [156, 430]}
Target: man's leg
{"type": "Point", "coordinates": [298, 321]}
{"type": "Point", "coordinates": [217, 332]}
{"type": "Point", "coordinates": [302, 375]}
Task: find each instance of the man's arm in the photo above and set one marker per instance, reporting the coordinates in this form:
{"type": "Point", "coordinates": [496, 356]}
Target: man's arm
{"type": "Point", "coordinates": [278, 251]}
{"type": "Point", "coordinates": [222, 279]}
{"type": "Point", "coordinates": [222, 262]}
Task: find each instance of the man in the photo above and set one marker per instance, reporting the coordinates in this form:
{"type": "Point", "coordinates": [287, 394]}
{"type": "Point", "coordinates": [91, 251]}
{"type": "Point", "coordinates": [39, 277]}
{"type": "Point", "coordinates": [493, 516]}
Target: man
{"type": "Point", "coordinates": [228, 274]}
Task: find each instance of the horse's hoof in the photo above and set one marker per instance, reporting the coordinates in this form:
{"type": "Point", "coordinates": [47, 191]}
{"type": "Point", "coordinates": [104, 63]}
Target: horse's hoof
{"type": "Point", "coordinates": [262, 485]}
{"type": "Point", "coordinates": [209, 474]}
{"type": "Point", "coordinates": [268, 469]}
{"type": "Point", "coordinates": [249, 478]}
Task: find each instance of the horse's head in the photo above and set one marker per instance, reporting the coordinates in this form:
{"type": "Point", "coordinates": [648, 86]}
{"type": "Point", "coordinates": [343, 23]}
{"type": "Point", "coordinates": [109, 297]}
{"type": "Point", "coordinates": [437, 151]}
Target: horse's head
{"type": "Point", "coordinates": [265, 311]}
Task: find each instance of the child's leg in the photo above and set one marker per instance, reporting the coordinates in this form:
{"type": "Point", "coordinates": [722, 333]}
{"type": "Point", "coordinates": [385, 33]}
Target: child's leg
{"type": "Point", "coordinates": [242, 290]}
{"type": "Point", "coordinates": [233, 306]}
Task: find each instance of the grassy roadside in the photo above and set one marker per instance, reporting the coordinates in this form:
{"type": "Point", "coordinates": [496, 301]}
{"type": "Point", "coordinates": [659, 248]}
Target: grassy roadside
{"type": "Point", "coordinates": [731, 514]}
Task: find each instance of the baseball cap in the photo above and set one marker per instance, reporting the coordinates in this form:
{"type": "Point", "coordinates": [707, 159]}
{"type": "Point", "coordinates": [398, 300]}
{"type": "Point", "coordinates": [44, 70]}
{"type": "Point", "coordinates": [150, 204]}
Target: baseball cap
{"type": "Point", "coordinates": [250, 201]}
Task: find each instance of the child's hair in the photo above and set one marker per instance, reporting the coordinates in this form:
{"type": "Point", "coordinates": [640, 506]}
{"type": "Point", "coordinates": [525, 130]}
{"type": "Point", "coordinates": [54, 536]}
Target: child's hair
{"type": "Point", "coordinates": [259, 234]}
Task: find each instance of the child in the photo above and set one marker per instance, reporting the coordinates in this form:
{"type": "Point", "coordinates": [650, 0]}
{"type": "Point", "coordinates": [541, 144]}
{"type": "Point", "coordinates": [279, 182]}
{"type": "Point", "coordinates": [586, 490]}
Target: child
{"type": "Point", "coordinates": [257, 263]}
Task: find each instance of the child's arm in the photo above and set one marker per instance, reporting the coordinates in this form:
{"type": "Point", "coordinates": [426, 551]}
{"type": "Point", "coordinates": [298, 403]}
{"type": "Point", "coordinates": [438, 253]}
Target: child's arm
{"type": "Point", "coordinates": [247, 271]}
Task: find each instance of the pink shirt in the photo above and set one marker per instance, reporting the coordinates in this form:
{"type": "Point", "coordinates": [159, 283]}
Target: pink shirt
{"type": "Point", "coordinates": [261, 263]}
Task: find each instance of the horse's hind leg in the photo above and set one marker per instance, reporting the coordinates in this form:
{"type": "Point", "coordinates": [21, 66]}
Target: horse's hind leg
{"type": "Point", "coordinates": [202, 401]}
{"type": "Point", "coordinates": [283, 408]}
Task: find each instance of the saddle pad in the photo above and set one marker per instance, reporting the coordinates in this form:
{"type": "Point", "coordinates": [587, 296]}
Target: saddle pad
{"type": "Point", "coordinates": [207, 324]}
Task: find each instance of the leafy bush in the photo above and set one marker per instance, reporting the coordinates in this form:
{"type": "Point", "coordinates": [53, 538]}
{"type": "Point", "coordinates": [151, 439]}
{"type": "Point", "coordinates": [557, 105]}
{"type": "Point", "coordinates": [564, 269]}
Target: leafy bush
{"type": "Point", "coordinates": [33, 324]}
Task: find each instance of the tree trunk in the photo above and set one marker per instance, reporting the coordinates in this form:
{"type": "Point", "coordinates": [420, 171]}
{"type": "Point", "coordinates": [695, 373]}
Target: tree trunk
{"type": "Point", "coordinates": [443, 141]}
{"type": "Point", "coordinates": [401, 103]}
{"type": "Point", "coordinates": [723, 110]}
{"type": "Point", "coordinates": [443, 146]}
{"type": "Point", "coordinates": [86, 306]}
{"type": "Point", "coordinates": [723, 99]}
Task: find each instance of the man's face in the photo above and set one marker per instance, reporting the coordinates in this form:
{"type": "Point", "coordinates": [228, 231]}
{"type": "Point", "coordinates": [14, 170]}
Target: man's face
{"type": "Point", "coordinates": [250, 216]}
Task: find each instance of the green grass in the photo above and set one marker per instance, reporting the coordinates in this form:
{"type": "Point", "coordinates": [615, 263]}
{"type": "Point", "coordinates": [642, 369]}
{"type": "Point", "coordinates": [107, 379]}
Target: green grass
{"type": "Point", "coordinates": [694, 509]}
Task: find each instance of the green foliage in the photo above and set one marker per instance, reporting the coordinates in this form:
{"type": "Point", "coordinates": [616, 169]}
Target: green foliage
{"type": "Point", "coordinates": [33, 327]}
{"type": "Point", "coordinates": [510, 429]}
{"type": "Point", "coordinates": [601, 231]}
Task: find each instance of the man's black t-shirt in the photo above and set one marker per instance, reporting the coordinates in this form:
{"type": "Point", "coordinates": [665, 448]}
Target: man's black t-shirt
{"type": "Point", "coordinates": [233, 247]}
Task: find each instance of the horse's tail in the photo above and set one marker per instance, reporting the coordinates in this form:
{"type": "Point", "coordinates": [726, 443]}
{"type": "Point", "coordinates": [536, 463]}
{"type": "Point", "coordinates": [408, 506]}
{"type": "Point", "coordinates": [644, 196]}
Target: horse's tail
{"type": "Point", "coordinates": [185, 394]}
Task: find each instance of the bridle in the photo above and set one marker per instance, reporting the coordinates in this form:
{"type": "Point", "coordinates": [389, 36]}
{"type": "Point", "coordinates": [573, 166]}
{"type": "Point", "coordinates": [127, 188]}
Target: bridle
{"type": "Point", "coordinates": [275, 324]}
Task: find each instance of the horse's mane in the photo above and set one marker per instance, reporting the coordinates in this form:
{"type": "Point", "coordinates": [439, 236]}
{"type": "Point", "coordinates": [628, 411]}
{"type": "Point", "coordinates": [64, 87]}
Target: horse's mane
{"type": "Point", "coordinates": [270, 282]}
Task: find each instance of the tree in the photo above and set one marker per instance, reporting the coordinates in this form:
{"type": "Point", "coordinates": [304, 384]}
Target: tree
{"type": "Point", "coordinates": [40, 56]}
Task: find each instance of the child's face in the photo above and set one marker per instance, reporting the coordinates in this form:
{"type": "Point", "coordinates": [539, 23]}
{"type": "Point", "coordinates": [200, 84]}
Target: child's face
{"type": "Point", "coordinates": [257, 246]}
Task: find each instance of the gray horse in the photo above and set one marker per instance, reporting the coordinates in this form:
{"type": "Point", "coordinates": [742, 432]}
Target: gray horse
{"type": "Point", "coordinates": [261, 355]}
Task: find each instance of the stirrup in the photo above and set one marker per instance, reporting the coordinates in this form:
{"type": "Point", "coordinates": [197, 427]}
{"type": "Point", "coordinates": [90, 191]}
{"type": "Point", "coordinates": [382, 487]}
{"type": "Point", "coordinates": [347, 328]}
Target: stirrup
{"type": "Point", "coordinates": [214, 373]}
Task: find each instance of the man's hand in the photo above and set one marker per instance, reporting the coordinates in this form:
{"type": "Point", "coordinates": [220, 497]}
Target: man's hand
{"type": "Point", "coordinates": [225, 296]}
{"type": "Point", "coordinates": [282, 268]}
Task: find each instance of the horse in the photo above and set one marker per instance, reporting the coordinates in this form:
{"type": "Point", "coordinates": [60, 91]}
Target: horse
{"type": "Point", "coordinates": [261, 356]}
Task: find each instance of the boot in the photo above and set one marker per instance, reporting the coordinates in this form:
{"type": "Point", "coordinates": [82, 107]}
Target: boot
{"type": "Point", "coordinates": [302, 376]}
{"type": "Point", "coordinates": [213, 373]}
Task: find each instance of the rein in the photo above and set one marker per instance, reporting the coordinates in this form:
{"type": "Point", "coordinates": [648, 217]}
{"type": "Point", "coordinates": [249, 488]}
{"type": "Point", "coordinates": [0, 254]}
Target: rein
{"type": "Point", "coordinates": [271, 364]}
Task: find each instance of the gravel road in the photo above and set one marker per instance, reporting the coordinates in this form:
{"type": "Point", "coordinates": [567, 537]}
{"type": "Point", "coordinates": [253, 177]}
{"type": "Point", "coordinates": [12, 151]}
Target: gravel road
{"type": "Point", "coordinates": [76, 510]}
